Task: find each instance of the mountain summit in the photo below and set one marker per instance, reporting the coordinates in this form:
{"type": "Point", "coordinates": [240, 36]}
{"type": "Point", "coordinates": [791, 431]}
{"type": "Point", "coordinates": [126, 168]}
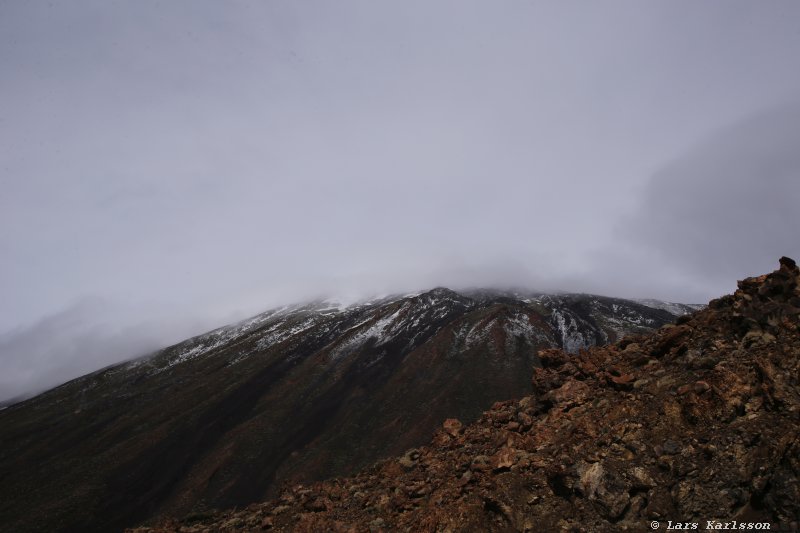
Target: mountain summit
{"type": "Point", "coordinates": [695, 425]}
{"type": "Point", "coordinates": [292, 395]}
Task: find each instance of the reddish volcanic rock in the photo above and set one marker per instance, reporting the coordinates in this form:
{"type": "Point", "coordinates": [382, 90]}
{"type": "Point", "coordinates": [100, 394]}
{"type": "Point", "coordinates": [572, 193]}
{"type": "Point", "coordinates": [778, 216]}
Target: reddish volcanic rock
{"type": "Point", "coordinates": [696, 422]}
{"type": "Point", "coordinates": [452, 427]}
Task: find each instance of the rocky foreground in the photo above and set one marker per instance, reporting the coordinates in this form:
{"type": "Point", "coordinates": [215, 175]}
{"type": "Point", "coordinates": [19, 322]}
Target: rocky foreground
{"type": "Point", "coordinates": [697, 422]}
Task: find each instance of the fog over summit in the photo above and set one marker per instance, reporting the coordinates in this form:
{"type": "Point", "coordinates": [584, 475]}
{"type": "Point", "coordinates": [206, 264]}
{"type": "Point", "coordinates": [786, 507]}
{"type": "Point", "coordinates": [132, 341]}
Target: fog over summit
{"type": "Point", "coordinates": [189, 166]}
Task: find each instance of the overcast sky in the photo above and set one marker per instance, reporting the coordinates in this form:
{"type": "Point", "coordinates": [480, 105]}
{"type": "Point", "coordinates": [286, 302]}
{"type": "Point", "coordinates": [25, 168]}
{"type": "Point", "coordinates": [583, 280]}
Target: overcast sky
{"type": "Point", "coordinates": [166, 167]}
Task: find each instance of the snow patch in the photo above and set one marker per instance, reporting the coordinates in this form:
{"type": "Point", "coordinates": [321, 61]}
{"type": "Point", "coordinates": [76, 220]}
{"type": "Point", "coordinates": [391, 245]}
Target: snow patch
{"type": "Point", "coordinates": [382, 330]}
{"type": "Point", "coordinates": [572, 339]}
{"type": "Point", "coordinates": [670, 307]}
{"type": "Point", "coordinates": [273, 337]}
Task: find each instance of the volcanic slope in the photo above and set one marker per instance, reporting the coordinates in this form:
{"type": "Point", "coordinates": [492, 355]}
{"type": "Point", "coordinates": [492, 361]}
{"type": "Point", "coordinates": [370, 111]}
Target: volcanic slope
{"type": "Point", "coordinates": [698, 422]}
{"type": "Point", "coordinates": [295, 394]}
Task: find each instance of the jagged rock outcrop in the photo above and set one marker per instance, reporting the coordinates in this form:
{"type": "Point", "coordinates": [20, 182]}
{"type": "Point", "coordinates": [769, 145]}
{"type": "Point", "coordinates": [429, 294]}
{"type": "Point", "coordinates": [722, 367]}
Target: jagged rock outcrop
{"type": "Point", "coordinates": [698, 421]}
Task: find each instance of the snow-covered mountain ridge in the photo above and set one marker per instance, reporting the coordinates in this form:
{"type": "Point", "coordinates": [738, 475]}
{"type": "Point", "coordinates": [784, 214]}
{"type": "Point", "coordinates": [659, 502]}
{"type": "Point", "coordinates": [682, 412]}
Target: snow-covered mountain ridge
{"type": "Point", "coordinates": [293, 394]}
{"type": "Point", "coordinates": [598, 320]}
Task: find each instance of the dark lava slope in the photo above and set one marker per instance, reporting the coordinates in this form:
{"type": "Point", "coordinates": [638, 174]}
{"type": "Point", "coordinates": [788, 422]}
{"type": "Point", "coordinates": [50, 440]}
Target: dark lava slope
{"type": "Point", "coordinates": [697, 424]}
{"type": "Point", "coordinates": [295, 394]}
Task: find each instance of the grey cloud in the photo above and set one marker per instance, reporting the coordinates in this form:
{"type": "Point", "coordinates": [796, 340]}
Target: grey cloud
{"type": "Point", "coordinates": [84, 337]}
{"type": "Point", "coordinates": [724, 210]}
{"type": "Point", "coordinates": [729, 208]}
{"type": "Point", "coordinates": [209, 161]}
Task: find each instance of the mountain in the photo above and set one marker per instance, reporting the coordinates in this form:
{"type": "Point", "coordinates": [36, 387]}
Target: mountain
{"type": "Point", "coordinates": [674, 308]}
{"type": "Point", "coordinates": [694, 426]}
{"type": "Point", "coordinates": [295, 394]}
